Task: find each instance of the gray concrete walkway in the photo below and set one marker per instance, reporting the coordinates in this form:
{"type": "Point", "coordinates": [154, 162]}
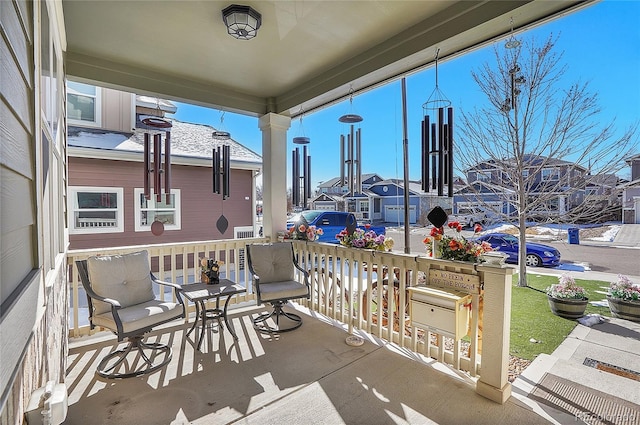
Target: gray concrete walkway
{"type": "Point", "coordinates": [628, 235]}
{"type": "Point", "coordinates": [592, 377]}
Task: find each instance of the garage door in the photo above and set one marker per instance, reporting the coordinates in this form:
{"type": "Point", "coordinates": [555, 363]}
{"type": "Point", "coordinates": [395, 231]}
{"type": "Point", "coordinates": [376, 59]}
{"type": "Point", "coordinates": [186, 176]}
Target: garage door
{"type": "Point", "coordinates": [395, 214]}
{"type": "Point", "coordinates": [325, 207]}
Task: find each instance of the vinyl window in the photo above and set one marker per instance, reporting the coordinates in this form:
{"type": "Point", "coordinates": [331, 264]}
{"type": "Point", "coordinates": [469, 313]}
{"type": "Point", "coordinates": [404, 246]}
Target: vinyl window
{"type": "Point", "coordinates": [96, 210]}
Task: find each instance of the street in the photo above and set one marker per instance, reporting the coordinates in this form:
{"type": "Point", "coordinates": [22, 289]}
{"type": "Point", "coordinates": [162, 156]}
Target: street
{"type": "Point", "coordinates": [598, 258]}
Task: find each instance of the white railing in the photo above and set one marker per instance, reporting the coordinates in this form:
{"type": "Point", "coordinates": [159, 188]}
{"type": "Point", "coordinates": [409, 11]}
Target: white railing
{"type": "Point", "coordinates": [169, 262]}
{"type": "Point", "coordinates": [353, 287]}
{"type": "Point", "coordinates": [346, 286]}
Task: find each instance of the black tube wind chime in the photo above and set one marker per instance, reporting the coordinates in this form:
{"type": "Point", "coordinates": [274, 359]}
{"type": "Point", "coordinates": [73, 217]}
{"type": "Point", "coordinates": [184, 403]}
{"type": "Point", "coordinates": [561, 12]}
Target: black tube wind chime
{"type": "Point", "coordinates": [437, 142]}
{"type": "Point", "coordinates": [351, 153]}
{"type": "Point", "coordinates": [153, 163]}
{"type": "Point", "coordinates": [221, 165]}
{"type": "Point", "coordinates": [301, 178]}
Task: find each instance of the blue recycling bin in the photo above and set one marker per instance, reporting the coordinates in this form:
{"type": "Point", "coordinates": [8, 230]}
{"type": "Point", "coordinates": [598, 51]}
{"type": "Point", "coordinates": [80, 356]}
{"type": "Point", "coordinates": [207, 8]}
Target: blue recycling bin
{"type": "Point", "coordinates": [574, 236]}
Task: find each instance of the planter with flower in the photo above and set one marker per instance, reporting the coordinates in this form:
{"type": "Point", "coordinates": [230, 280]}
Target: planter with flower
{"type": "Point", "coordinates": [456, 247]}
{"type": "Point", "coordinates": [365, 238]}
{"type": "Point", "coordinates": [624, 299]}
{"type": "Point", "coordinates": [566, 298]}
{"type": "Point", "coordinates": [210, 270]}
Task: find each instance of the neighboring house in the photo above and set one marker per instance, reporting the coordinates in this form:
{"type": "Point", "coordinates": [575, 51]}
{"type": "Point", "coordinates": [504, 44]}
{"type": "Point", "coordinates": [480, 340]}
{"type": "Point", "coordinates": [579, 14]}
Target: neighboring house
{"type": "Point", "coordinates": [106, 202]}
{"type": "Point", "coordinates": [631, 193]}
{"type": "Point", "coordinates": [327, 202]}
{"type": "Point", "coordinates": [389, 201]}
{"type": "Point", "coordinates": [562, 183]}
{"type": "Point", "coordinates": [380, 200]}
{"type": "Point", "coordinates": [495, 200]}
{"type": "Point", "coordinates": [335, 187]}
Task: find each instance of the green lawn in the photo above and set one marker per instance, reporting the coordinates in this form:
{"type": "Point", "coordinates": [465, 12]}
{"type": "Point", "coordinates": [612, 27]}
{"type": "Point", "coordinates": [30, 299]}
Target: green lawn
{"type": "Point", "coordinates": [531, 317]}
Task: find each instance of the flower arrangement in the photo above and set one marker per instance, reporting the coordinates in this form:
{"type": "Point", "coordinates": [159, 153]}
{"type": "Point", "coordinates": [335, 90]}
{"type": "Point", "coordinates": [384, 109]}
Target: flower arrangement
{"type": "Point", "coordinates": [566, 288]}
{"type": "Point", "coordinates": [304, 232]}
{"type": "Point", "coordinates": [365, 238]}
{"type": "Point", "coordinates": [455, 247]}
{"type": "Point", "coordinates": [624, 289]}
{"type": "Point", "coordinates": [210, 270]}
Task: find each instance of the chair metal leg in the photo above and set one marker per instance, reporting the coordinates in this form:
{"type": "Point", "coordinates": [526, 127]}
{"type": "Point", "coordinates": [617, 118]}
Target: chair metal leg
{"type": "Point", "coordinates": [260, 322]}
{"type": "Point", "coordinates": [131, 367]}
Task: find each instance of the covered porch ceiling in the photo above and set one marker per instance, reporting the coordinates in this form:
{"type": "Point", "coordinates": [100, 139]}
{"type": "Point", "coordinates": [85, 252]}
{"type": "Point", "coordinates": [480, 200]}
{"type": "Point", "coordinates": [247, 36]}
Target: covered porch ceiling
{"type": "Point", "coordinates": [307, 54]}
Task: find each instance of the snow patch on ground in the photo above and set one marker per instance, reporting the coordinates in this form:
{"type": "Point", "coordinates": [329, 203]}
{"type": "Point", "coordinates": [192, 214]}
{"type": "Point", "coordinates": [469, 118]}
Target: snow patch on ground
{"type": "Point", "coordinates": [608, 235]}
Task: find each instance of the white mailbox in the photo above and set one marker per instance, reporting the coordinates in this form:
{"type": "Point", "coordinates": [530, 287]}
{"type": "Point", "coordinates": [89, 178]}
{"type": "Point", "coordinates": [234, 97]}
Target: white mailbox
{"type": "Point", "coordinates": [440, 311]}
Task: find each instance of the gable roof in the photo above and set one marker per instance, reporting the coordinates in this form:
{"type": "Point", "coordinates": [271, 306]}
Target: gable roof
{"type": "Point", "coordinates": [335, 182]}
{"type": "Point", "coordinates": [187, 140]}
{"type": "Point", "coordinates": [530, 160]}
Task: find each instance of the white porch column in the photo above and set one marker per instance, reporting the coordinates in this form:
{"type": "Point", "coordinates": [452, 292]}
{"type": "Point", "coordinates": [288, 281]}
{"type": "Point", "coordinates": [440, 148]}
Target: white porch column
{"type": "Point", "coordinates": [274, 173]}
{"type": "Point", "coordinates": [494, 368]}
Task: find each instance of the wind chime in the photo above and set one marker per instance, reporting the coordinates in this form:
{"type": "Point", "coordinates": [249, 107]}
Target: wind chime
{"type": "Point", "coordinates": [153, 164]}
{"type": "Point", "coordinates": [437, 142]}
{"type": "Point", "coordinates": [221, 164]}
{"type": "Point", "coordinates": [351, 153]}
{"type": "Point", "coordinates": [301, 179]}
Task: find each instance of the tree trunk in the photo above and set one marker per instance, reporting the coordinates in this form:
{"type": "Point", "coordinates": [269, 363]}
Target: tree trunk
{"type": "Point", "coordinates": [522, 251]}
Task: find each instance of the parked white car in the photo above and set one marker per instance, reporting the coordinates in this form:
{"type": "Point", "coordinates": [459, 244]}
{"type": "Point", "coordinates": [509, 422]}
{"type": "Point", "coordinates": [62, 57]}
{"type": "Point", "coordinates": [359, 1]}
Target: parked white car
{"type": "Point", "coordinates": [469, 217]}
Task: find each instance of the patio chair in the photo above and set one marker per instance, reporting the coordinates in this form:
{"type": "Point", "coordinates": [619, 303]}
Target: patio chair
{"type": "Point", "coordinates": [273, 267]}
{"type": "Point", "coordinates": [121, 298]}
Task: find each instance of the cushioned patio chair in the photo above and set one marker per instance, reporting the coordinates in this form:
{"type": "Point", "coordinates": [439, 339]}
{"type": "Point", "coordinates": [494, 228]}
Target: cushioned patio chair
{"type": "Point", "coordinates": [120, 295]}
{"type": "Point", "coordinates": [273, 267]}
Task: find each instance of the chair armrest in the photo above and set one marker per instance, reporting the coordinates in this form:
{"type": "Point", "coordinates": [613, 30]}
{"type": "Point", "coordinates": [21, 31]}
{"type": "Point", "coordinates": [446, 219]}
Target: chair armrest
{"type": "Point", "coordinates": [177, 288]}
{"type": "Point", "coordinates": [114, 303]}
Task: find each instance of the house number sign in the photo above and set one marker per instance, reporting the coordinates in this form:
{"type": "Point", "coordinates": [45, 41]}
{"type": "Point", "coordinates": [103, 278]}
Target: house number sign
{"type": "Point", "coordinates": [457, 281]}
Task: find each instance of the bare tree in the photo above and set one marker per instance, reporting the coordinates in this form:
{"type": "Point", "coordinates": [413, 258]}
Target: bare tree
{"type": "Point", "coordinates": [538, 143]}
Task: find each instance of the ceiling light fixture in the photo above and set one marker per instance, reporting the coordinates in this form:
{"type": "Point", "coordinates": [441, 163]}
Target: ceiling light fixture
{"type": "Point", "coordinates": [242, 21]}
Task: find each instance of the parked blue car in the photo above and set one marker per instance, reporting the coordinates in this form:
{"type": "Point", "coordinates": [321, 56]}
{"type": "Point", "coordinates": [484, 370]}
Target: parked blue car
{"type": "Point", "coordinates": [537, 254]}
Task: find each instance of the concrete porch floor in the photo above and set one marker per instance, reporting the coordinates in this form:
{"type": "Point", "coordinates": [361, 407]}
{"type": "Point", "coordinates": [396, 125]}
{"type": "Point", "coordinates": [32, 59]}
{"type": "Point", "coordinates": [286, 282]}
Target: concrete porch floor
{"type": "Point", "coordinates": [308, 376]}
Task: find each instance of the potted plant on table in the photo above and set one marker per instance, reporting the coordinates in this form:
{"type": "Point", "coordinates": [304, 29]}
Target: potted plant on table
{"type": "Point", "coordinates": [566, 298]}
{"type": "Point", "coordinates": [624, 299]}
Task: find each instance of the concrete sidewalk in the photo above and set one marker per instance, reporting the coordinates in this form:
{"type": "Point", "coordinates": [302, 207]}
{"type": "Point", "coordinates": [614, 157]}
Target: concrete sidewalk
{"type": "Point", "coordinates": [592, 377]}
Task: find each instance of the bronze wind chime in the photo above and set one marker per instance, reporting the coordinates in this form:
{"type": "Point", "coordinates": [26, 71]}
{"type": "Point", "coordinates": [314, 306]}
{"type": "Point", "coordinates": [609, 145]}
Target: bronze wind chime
{"type": "Point", "coordinates": [301, 177]}
{"type": "Point", "coordinates": [351, 153]}
{"type": "Point", "coordinates": [153, 164]}
{"type": "Point", "coordinates": [221, 170]}
{"type": "Point", "coordinates": [221, 164]}
{"type": "Point", "coordinates": [437, 142]}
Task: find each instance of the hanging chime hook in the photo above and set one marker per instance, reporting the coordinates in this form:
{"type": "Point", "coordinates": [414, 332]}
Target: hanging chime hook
{"type": "Point", "coordinates": [437, 54]}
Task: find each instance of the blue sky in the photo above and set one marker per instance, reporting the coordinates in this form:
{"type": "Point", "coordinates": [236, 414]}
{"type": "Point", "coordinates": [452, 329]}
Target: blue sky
{"type": "Point", "coordinates": [600, 45]}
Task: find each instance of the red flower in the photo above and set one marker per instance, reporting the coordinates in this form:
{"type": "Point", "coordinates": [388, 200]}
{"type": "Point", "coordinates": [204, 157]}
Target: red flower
{"type": "Point", "coordinates": [477, 228]}
{"type": "Point", "coordinates": [367, 226]}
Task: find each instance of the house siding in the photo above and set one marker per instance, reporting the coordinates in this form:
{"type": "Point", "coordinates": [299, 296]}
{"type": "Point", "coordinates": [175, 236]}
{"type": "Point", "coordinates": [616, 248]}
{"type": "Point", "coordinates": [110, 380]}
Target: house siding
{"type": "Point", "coordinates": [117, 113]}
{"type": "Point", "coordinates": [33, 313]}
{"type": "Point", "coordinates": [200, 208]}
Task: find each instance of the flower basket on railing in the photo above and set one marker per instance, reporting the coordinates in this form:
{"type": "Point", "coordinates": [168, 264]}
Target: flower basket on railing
{"type": "Point", "coordinates": [364, 238]}
{"type": "Point", "coordinates": [455, 247]}
{"type": "Point", "coordinates": [303, 231]}
{"type": "Point", "coordinates": [624, 299]}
